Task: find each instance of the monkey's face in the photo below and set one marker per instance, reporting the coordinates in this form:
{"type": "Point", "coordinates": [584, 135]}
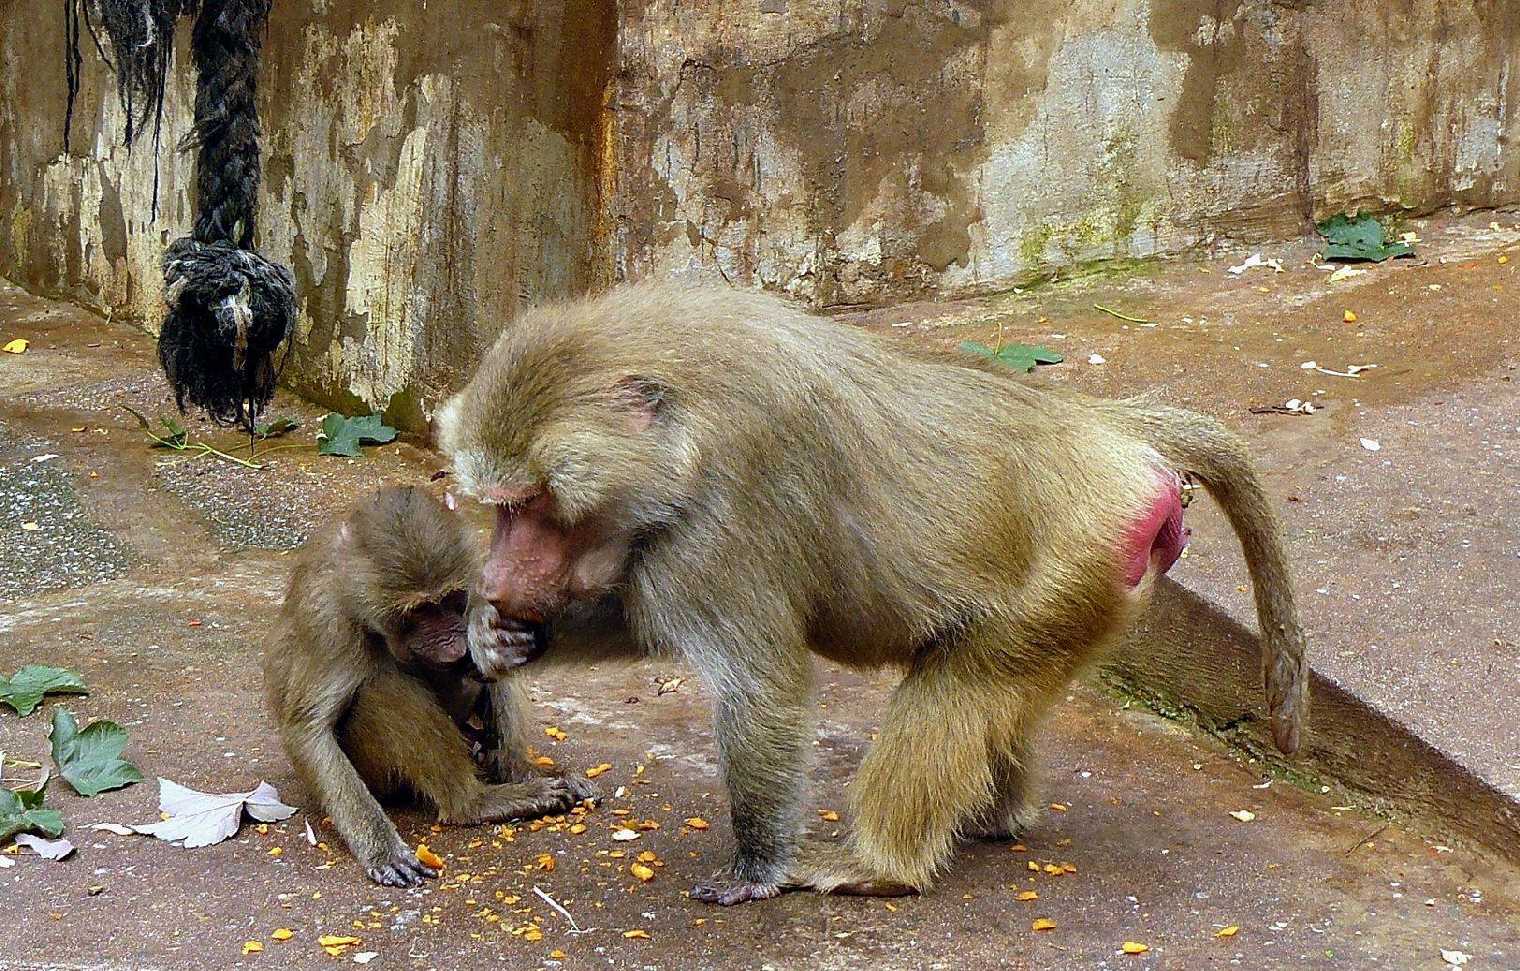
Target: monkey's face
{"type": "Point", "coordinates": [576, 455]}
{"type": "Point", "coordinates": [432, 633]}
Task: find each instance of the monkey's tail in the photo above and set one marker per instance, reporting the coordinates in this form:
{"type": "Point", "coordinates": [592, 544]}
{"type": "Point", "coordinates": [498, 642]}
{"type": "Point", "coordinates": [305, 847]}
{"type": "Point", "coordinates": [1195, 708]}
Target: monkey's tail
{"type": "Point", "coordinates": [1220, 459]}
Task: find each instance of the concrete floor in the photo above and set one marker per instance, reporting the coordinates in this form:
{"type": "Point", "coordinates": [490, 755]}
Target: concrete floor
{"type": "Point", "coordinates": [155, 578]}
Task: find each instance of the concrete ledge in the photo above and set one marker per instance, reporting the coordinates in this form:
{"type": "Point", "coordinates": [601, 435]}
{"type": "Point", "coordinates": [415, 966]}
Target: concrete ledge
{"type": "Point", "coordinates": [1190, 660]}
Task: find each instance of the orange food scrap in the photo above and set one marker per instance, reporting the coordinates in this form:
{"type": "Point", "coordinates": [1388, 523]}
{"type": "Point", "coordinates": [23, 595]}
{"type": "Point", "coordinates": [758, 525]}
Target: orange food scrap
{"type": "Point", "coordinates": [644, 873]}
{"type": "Point", "coordinates": [828, 815]}
{"type": "Point", "coordinates": [1027, 895]}
{"type": "Point", "coordinates": [555, 733]}
{"type": "Point", "coordinates": [428, 858]}
{"type": "Point", "coordinates": [636, 935]}
{"type": "Point", "coordinates": [283, 934]}
{"type": "Point", "coordinates": [252, 947]}
{"type": "Point", "coordinates": [557, 954]}
{"type": "Point", "coordinates": [577, 829]}
{"type": "Point", "coordinates": [697, 822]}
{"type": "Point", "coordinates": [1134, 947]}
{"type": "Point", "coordinates": [544, 762]}
{"type": "Point", "coordinates": [1043, 924]}
{"type": "Point", "coordinates": [1350, 316]}
{"type": "Point", "coordinates": [545, 862]}
{"type": "Point", "coordinates": [1230, 931]}
{"type": "Point", "coordinates": [597, 770]}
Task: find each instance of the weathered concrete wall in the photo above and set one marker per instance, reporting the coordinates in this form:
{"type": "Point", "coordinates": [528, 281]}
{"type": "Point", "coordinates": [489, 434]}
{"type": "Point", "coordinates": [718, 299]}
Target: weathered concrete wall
{"type": "Point", "coordinates": [430, 169]}
{"type": "Point", "coordinates": [855, 150]}
{"type": "Point", "coordinates": [425, 175]}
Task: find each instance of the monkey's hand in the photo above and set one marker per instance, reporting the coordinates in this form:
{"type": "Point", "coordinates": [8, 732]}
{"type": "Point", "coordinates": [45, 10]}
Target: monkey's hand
{"type": "Point", "coordinates": [498, 644]}
{"type": "Point", "coordinates": [400, 869]}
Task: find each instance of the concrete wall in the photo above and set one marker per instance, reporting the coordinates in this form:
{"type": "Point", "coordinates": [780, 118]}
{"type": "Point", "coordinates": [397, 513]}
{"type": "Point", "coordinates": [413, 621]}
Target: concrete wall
{"type": "Point", "coordinates": [425, 176]}
{"type": "Point", "coordinates": [430, 169]}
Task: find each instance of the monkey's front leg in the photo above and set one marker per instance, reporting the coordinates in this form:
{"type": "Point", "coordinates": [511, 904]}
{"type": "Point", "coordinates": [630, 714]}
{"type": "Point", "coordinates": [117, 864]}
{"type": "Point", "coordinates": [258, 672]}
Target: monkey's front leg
{"type": "Point", "coordinates": [763, 735]}
{"type": "Point", "coordinates": [369, 833]}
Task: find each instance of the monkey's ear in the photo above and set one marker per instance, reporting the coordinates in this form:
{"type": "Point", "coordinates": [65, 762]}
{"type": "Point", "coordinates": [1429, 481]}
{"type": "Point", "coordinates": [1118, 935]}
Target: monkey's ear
{"type": "Point", "coordinates": [642, 400]}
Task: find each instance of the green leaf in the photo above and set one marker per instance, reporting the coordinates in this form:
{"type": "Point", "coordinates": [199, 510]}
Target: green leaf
{"type": "Point", "coordinates": [1020, 357]}
{"type": "Point", "coordinates": [90, 760]}
{"type": "Point", "coordinates": [22, 812]}
{"type": "Point", "coordinates": [343, 436]}
{"type": "Point", "coordinates": [1359, 239]}
{"type": "Point", "coordinates": [23, 691]}
{"type": "Point", "coordinates": [276, 428]}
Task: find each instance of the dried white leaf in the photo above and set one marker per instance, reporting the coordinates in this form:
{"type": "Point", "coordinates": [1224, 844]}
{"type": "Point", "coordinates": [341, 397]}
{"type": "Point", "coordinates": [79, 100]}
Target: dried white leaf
{"type": "Point", "coordinates": [6, 863]}
{"type": "Point", "coordinates": [1244, 815]}
{"type": "Point", "coordinates": [625, 835]}
{"type": "Point", "coordinates": [1455, 958]}
{"type": "Point", "coordinates": [365, 957]}
{"type": "Point", "coordinates": [1096, 359]}
{"type": "Point", "coordinates": [116, 828]}
{"type": "Point", "coordinates": [1345, 273]}
{"type": "Point", "coordinates": [310, 836]}
{"type": "Point", "coordinates": [47, 849]}
{"type": "Point", "coordinates": [201, 819]}
{"type": "Point", "coordinates": [1310, 365]}
{"type": "Point", "coordinates": [1371, 444]}
{"type": "Point", "coordinates": [1254, 260]}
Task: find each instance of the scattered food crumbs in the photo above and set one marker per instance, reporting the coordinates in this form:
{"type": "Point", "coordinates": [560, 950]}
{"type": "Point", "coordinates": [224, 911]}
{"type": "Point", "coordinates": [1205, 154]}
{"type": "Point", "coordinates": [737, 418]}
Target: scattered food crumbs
{"type": "Point", "coordinates": [252, 947]}
{"type": "Point", "coordinates": [1043, 924]}
{"type": "Point", "coordinates": [1027, 895]}
{"type": "Point", "coordinates": [597, 770]}
{"type": "Point", "coordinates": [1133, 947]}
{"type": "Point", "coordinates": [1230, 931]}
{"type": "Point", "coordinates": [283, 934]}
{"type": "Point", "coordinates": [545, 862]}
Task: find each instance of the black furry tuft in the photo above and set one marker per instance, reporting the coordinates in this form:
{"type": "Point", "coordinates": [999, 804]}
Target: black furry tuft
{"type": "Point", "coordinates": [229, 309]}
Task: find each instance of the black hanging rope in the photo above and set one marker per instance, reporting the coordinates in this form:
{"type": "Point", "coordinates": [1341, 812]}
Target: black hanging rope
{"type": "Point", "coordinates": [229, 308]}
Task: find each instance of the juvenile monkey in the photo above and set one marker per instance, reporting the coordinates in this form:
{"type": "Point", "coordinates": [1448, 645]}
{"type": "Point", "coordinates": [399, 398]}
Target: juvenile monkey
{"type": "Point", "coordinates": [752, 483]}
{"type": "Point", "coordinates": [369, 681]}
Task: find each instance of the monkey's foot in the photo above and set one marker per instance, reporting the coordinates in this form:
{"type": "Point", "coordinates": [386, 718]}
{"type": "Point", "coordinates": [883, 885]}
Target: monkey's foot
{"type": "Point", "coordinates": [403, 869]}
{"type": "Point", "coordinates": [830, 868]}
{"type": "Point", "coordinates": [726, 890]}
{"type": "Point", "coordinates": [529, 799]}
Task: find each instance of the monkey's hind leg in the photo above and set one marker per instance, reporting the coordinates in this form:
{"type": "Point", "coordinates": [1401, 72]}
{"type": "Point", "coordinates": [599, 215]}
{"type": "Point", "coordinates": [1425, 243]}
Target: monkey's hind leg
{"type": "Point", "coordinates": [398, 734]}
{"type": "Point", "coordinates": [504, 710]}
{"type": "Point", "coordinates": [932, 769]}
{"type": "Point", "coordinates": [1016, 805]}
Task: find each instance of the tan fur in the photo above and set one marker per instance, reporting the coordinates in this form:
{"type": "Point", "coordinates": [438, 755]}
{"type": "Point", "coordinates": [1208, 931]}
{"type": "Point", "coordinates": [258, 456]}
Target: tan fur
{"type": "Point", "coordinates": [358, 724]}
{"type": "Point", "coordinates": [786, 484]}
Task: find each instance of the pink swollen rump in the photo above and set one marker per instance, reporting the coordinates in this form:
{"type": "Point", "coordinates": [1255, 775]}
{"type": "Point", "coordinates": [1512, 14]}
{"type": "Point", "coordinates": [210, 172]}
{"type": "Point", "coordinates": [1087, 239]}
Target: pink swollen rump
{"type": "Point", "coordinates": [1158, 536]}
